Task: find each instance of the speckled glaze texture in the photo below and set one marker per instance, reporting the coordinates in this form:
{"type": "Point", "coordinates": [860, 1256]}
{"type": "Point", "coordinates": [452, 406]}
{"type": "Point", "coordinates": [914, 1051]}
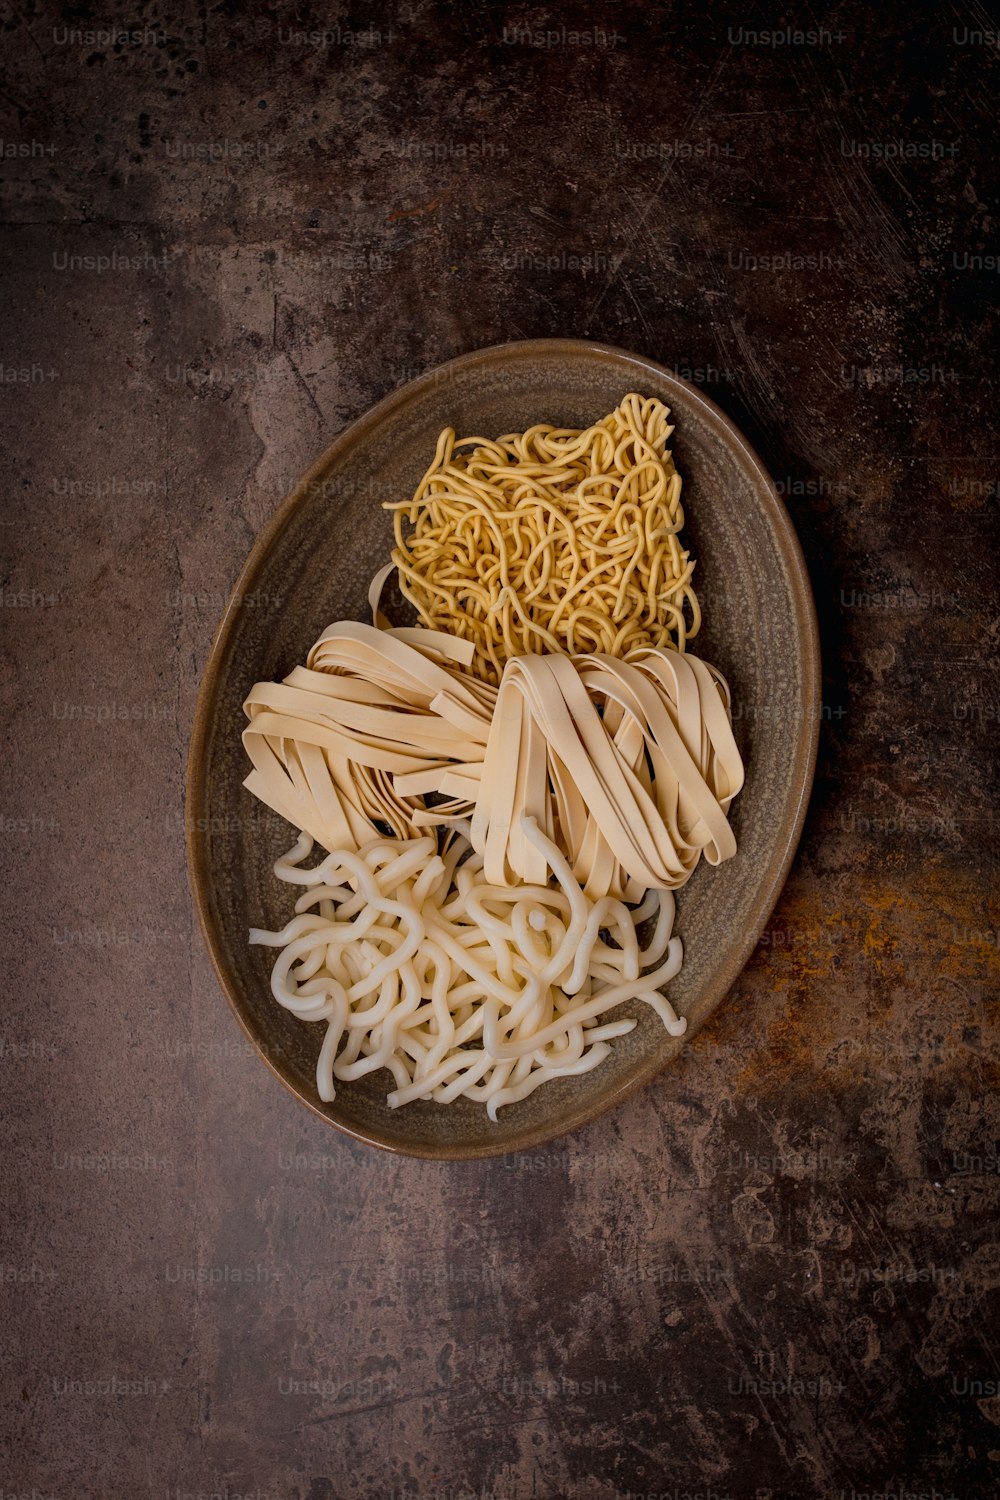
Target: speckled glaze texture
{"type": "Point", "coordinates": [318, 557]}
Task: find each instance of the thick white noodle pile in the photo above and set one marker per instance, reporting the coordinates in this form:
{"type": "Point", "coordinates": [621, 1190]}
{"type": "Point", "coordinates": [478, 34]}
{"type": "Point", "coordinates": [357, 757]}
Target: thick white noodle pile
{"type": "Point", "coordinates": [459, 987]}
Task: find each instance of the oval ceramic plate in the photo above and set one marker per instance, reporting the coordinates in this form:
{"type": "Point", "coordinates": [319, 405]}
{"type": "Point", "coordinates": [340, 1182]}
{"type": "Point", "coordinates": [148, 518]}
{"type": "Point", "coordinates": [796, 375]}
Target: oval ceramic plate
{"type": "Point", "coordinates": [317, 557]}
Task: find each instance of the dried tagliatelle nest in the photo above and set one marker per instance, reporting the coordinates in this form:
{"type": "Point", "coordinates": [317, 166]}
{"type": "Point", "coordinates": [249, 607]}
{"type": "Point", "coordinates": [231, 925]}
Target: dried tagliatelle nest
{"type": "Point", "coordinates": [629, 765]}
{"type": "Point", "coordinates": [552, 540]}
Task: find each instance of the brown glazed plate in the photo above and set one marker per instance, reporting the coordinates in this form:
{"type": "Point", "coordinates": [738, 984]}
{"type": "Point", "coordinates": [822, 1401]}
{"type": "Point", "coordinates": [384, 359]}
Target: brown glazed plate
{"type": "Point", "coordinates": [312, 565]}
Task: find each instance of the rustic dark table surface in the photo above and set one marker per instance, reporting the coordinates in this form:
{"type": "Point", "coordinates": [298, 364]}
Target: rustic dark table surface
{"type": "Point", "coordinates": [772, 1273]}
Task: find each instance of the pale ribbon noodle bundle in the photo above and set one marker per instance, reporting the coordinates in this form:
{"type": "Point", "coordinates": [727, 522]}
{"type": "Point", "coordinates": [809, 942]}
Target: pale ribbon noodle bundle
{"type": "Point", "coordinates": [629, 766]}
{"type": "Point", "coordinates": [368, 706]}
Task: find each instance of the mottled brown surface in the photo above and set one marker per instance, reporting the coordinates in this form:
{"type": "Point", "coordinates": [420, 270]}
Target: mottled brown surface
{"type": "Point", "coordinates": [771, 1274]}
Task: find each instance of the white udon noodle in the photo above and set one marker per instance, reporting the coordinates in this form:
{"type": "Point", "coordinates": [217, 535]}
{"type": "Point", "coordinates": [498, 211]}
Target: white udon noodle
{"type": "Point", "coordinates": [460, 987]}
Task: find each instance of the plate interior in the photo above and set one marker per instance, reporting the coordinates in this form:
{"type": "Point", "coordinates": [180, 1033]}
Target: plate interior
{"type": "Point", "coordinates": [318, 557]}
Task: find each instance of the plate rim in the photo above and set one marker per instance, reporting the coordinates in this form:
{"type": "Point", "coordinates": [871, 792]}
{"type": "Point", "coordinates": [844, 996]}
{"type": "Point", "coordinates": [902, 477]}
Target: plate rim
{"type": "Point", "coordinates": [804, 765]}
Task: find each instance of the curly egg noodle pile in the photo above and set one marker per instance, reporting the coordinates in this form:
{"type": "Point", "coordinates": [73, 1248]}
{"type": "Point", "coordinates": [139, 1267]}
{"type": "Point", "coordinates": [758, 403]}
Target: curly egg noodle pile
{"type": "Point", "coordinates": [551, 540]}
{"type": "Point", "coordinates": [501, 812]}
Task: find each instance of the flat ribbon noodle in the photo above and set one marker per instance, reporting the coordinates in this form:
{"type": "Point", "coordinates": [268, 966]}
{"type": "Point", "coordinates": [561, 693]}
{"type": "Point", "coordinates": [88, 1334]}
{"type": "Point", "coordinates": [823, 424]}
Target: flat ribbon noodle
{"type": "Point", "coordinates": [628, 766]}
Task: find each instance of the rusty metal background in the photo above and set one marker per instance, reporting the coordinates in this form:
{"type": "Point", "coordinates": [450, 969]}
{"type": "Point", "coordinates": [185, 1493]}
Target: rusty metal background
{"type": "Point", "coordinates": [226, 233]}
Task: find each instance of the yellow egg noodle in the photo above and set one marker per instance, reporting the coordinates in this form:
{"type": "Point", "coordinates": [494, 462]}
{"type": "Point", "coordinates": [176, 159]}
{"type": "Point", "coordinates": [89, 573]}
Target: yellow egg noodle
{"type": "Point", "coordinates": [551, 540]}
{"type": "Point", "coordinates": [450, 957]}
{"type": "Point", "coordinates": [418, 965]}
